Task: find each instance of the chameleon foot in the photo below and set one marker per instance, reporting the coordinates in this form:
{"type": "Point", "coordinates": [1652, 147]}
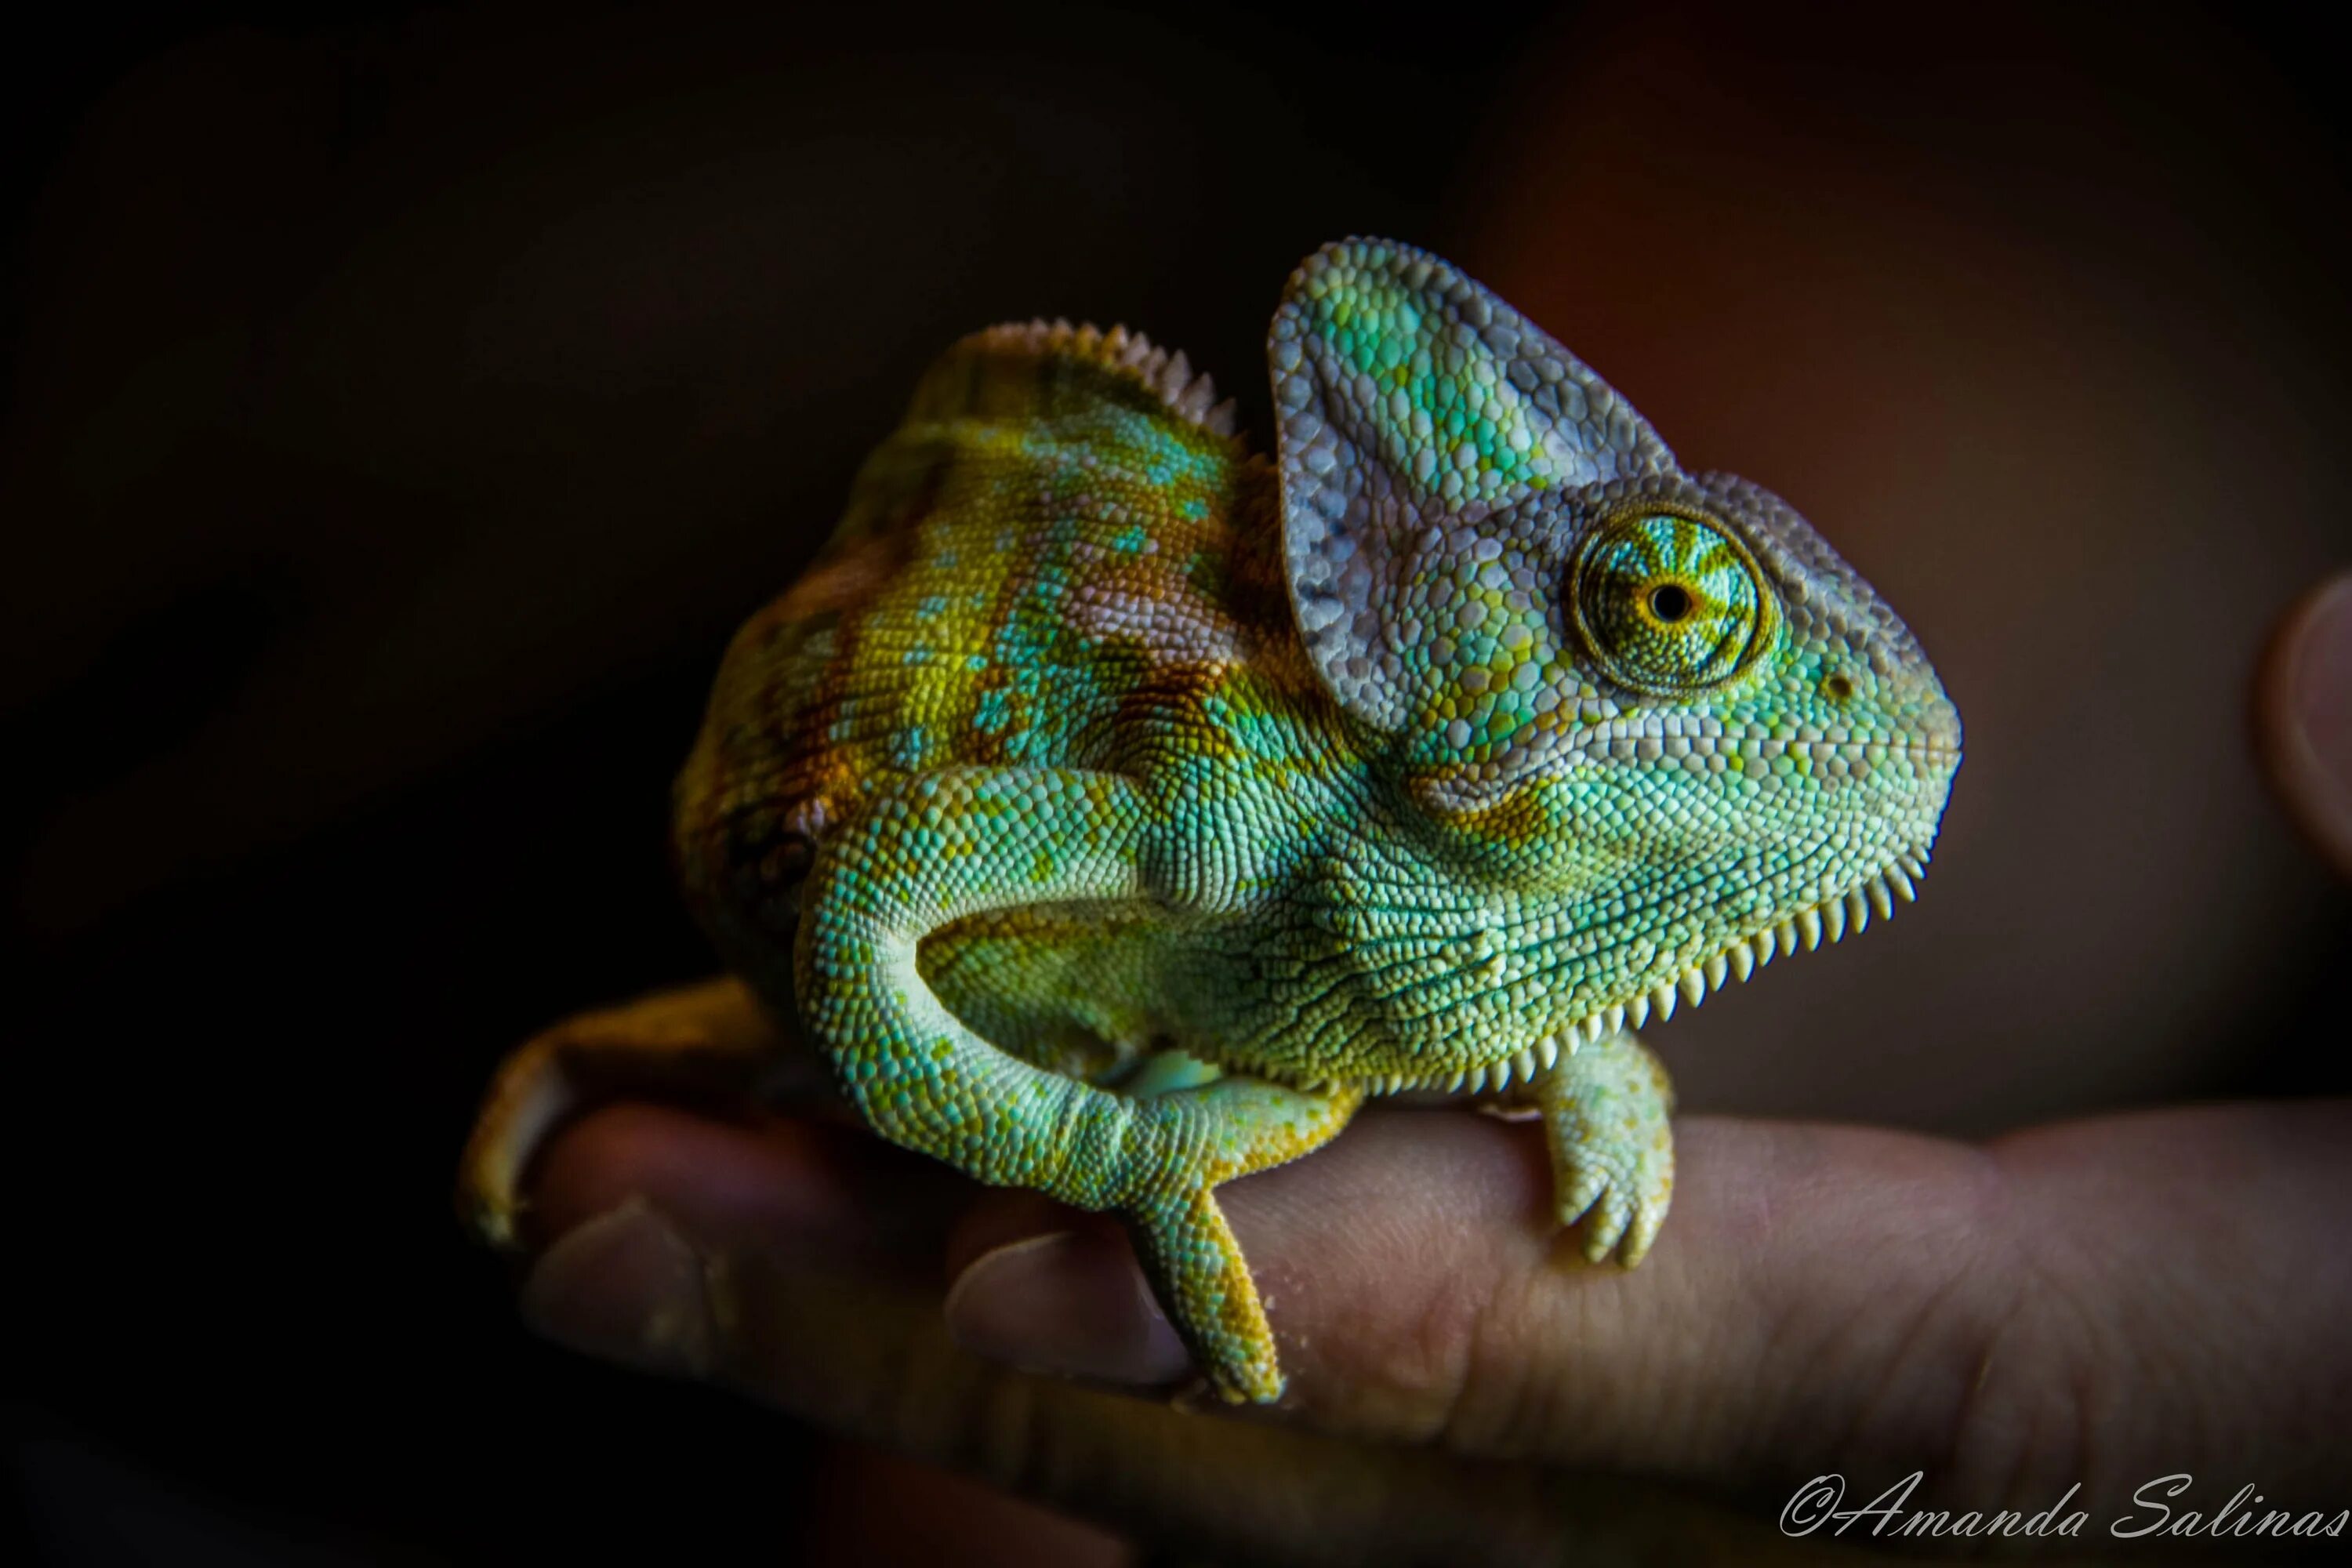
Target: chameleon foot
{"type": "Point", "coordinates": [1198, 1272]}
{"type": "Point", "coordinates": [1605, 1112]}
{"type": "Point", "coordinates": [1206, 1136]}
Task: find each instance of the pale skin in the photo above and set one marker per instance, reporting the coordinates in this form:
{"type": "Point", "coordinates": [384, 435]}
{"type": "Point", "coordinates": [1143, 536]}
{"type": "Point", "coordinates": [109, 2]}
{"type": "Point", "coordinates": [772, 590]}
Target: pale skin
{"type": "Point", "coordinates": [2103, 1301]}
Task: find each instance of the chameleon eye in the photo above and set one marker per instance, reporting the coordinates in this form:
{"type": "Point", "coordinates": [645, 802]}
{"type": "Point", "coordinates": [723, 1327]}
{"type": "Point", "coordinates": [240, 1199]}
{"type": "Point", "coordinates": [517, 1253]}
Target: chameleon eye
{"type": "Point", "coordinates": [1668, 602]}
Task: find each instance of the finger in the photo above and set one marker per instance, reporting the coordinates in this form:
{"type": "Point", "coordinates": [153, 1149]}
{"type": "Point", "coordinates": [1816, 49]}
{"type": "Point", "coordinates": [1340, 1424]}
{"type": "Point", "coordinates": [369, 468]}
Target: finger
{"type": "Point", "coordinates": [1824, 1298]}
{"type": "Point", "coordinates": [832, 1194]}
{"type": "Point", "coordinates": [2074, 1305]}
{"type": "Point", "coordinates": [2303, 717]}
{"type": "Point", "coordinates": [707, 1250]}
{"type": "Point", "coordinates": [1422, 1291]}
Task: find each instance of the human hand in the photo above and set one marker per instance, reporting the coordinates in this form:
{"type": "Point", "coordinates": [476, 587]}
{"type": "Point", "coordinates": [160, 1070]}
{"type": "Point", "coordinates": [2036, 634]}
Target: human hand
{"type": "Point", "coordinates": [2096, 1304]}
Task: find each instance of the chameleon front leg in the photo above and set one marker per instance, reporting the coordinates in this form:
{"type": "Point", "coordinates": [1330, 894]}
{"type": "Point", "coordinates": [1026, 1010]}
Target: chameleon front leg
{"type": "Point", "coordinates": [962, 841]}
{"type": "Point", "coordinates": [1605, 1111]}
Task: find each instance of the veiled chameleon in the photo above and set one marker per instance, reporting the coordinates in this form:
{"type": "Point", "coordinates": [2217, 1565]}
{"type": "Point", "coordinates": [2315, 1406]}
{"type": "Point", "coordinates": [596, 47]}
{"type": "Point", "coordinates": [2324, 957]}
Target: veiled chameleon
{"type": "Point", "coordinates": [1119, 809]}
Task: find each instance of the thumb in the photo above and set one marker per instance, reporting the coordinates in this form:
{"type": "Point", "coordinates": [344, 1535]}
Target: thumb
{"type": "Point", "coordinates": [2302, 716]}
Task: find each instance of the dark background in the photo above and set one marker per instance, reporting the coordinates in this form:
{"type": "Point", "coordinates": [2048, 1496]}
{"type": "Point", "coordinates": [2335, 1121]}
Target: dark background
{"type": "Point", "coordinates": [407, 404]}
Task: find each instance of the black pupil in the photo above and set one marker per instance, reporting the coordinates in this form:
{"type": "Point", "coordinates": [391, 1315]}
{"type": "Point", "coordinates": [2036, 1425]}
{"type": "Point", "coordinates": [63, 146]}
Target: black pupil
{"type": "Point", "coordinates": [1670, 601]}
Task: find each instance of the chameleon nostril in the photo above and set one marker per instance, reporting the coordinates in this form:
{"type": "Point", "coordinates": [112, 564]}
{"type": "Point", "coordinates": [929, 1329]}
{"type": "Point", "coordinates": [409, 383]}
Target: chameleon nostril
{"type": "Point", "coordinates": [1838, 687]}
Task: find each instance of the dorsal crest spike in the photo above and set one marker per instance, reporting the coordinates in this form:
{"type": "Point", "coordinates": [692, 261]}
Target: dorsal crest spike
{"type": "Point", "coordinates": [1006, 370]}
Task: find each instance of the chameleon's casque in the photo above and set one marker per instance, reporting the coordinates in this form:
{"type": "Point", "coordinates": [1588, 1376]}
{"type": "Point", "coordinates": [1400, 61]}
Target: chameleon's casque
{"type": "Point", "coordinates": [1119, 809]}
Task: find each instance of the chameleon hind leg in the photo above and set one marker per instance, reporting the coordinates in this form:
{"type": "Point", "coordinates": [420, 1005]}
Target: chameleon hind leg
{"type": "Point", "coordinates": [1605, 1115]}
{"type": "Point", "coordinates": [962, 841]}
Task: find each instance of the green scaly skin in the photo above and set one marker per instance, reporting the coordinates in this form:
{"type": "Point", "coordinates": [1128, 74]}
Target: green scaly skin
{"type": "Point", "coordinates": [1118, 810]}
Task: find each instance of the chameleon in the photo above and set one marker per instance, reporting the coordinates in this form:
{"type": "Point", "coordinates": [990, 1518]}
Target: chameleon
{"type": "Point", "coordinates": [1117, 808]}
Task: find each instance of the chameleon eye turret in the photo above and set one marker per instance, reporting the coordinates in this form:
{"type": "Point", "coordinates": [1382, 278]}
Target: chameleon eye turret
{"type": "Point", "coordinates": [1117, 811]}
{"type": "Point", "coordinates": [1669, 600]}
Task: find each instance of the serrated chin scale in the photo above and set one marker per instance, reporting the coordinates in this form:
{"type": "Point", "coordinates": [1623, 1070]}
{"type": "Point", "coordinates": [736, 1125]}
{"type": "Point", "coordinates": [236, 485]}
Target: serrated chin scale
{"type": "Point", "coordinates": [1830, 921]}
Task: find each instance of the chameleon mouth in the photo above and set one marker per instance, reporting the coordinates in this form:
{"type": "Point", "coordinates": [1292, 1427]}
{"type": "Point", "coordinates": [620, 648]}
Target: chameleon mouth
{"type": "Point", "coordinates": [1830, 921]}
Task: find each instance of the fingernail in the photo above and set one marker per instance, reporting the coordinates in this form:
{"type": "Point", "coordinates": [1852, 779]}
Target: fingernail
{"type": "Point", "coordinates": [1068, 1303]}
{"type": "Point", "coordinates": [2321, 688]}
{"type": "Point", "coordinates": [626, 1287]}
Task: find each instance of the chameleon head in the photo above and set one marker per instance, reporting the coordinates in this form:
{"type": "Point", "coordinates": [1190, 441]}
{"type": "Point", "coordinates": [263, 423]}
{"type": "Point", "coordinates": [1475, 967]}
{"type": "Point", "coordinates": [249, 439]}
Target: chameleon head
{"type": "Point", "coordinates": [1583, 667]}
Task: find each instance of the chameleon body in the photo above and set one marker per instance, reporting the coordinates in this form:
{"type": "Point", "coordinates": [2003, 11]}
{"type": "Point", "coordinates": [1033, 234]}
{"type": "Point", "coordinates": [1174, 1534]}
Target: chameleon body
{"type": "Point", "coordinates": [1119, 809]}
